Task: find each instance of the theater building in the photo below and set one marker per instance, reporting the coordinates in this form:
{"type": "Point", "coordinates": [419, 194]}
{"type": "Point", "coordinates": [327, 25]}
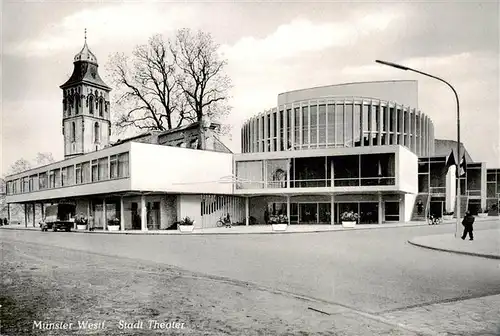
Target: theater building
{"type": "Point", "coordinates": [361, 147]}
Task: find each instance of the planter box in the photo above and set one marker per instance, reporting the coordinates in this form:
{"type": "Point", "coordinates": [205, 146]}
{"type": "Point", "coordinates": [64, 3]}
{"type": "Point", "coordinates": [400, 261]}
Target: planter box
{"type": "Point", "coordinates": [279, 227]}
{"type": "Point", "coordinates": [113, 227]}
{"type": "Point", "coordinates": [348, 224]}
{"type": "Point", "coordinates": [81, 226]}
{"type": "Point", "coordinates": [186, 228]}
{"type": "Point", "coordinates": [447, 217]}
{"type": "Point", "coordinates": [482, 215]}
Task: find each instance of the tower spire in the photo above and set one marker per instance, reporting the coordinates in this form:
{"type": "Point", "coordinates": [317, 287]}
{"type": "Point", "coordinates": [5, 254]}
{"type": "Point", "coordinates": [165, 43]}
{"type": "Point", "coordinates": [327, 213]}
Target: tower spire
{"type": "Point", "coordinates": [85, 33]}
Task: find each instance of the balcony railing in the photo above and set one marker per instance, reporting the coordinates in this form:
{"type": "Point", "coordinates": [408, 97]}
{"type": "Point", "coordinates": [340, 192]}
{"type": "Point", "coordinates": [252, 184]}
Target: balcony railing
{"type": "Point", "coordinates": [473, 192]}
{"type": "Point", "coordinates": [313, 183]}
{"type": "Point", "coordinates": [343, 182]}
{"type": "Point", "coordinates": [364, 181]}
{"type": "Point", "coordinates": [319, 183]}
{"type": "Point", "coordinates": [437, 190]}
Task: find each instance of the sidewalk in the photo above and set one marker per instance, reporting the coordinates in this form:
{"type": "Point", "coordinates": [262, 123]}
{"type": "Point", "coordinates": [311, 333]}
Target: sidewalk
{"type": "Point", "coordinates": [486, 243]}
{"type": "Point", "coordinates": [239, 229]}
{"type": "Point", "coordinates": [255, 229]}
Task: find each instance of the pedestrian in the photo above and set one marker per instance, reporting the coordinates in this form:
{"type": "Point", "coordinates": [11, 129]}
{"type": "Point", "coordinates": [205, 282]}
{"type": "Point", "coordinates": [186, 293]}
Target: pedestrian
{"type": "Point", "coordinates": [266, 216]}
{"type": "Point", "coordinates": [90, 222]}
{"type": "Point", "coordinates": [467, 222]}
{"type": "Point", "coordinates": [227, 220]}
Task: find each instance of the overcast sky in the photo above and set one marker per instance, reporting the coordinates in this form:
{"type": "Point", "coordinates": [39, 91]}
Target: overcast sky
{"type": "Point", "coordinates": [271, 48]}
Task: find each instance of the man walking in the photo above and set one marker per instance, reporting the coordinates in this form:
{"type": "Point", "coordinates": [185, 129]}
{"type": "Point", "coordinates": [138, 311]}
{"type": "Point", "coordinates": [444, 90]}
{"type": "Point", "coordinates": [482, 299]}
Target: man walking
{"type": "Point", "coordinates": [467, 223]}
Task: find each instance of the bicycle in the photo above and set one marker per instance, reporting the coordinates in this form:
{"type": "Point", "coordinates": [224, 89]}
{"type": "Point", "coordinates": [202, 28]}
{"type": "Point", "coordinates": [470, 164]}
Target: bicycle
{"type": "Point", "coordinates": [223, 222]}
{"type": "Point", "coordinates": [435, 220]}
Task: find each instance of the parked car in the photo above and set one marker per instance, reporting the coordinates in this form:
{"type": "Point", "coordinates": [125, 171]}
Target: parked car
{"type": "Point", "coordinates": [58, 217]}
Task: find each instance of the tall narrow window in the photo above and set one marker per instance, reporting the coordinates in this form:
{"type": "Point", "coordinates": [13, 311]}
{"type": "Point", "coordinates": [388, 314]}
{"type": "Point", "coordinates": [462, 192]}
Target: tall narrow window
{"type": "Point", "coordinates": [113, 166]}
{"type": "Point", "coordinates": [77, 103]}
{"type": "Point", "coordinates": [96, 132]}
{"type": "Point", "coordinates": [73, 131]}
{"type": "Point", "coordinates": [123, 165]}
{"type": "Point", "coordinates": [78, 173]}
{"type": "Point", "coordinates": [95, 171]}
{"type": "Point", "coordinates": [103, 168]}
{"type": "Point", "coordinates": [100, 107]}
{"type": "Point", "coordinates": [91, 104]}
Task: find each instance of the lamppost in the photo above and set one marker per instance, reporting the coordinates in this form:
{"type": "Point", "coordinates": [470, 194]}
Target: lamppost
{"type": "Point", "coordinates": [402, 67]}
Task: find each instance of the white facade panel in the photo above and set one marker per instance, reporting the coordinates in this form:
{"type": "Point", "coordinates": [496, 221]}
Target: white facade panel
{"type": "Point", "coordinates": [190, 206]}
{"type": "Point", "coordinates": [179, 170]}
{"type": "Point", "coordinates": [407, 171]}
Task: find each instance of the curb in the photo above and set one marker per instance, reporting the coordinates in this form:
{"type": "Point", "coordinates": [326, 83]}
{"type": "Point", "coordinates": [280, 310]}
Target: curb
{"type": "Point", "coordinates": [146, 233]}
{"type": "Point", "coordinates": [474, 254]}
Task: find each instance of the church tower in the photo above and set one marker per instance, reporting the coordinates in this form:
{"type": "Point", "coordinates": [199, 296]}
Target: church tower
{"type": "Point", "coordinates": [86, 123]}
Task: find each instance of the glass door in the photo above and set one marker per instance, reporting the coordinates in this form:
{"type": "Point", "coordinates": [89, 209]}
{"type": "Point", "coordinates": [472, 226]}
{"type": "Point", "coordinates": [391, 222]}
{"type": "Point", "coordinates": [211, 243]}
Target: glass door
{"type": "Point", "coordinates": [308, 213]}
{"type": "Point", "coordinates": [324, 213]}
{"type": "Point", "coordinates": [391, 211]}
{"type": "Point", "coordinates": [368, 213]}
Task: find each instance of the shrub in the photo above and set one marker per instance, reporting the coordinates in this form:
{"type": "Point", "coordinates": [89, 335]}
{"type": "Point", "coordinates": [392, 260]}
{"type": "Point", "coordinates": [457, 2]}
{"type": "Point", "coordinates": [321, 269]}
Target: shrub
{"type": "Point", "coordinates": [186, 221]}
{"type": "Point", "coordinates": [349, 216]}
{"type": "Point", "coordinates": [81, 220]}
{"type": "Point", "coordinates": [278, 219]}
{"type": "Point", "coordinates": [114, 221]}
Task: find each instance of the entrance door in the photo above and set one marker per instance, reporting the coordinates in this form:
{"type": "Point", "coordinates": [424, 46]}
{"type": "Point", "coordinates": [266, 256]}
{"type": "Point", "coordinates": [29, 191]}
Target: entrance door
{"type": "Point", "coordinates": [324, 213]}
{"type": "Point", "coordinates": [308, 213]}
{"type": "Point", "coordinates": [136, 218]}
{"type": "Point", "coordinates": [436, 208]}
{"type": "Point", "coordinates": [368, 213]}
{"type": "Point", "coordinates": [391, 211]}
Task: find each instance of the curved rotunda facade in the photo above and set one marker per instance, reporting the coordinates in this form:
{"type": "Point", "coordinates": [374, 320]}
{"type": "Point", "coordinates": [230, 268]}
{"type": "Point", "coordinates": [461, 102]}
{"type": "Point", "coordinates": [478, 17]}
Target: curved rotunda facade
{"type": "Point", "coordinates": [346, 115]}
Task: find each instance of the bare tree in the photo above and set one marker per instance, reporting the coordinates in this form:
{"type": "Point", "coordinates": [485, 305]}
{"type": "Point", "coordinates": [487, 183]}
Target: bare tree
{"type": "Point", "coordinates": [201, 77]}
{"type": "Point", "coordinates": [16, 210]}
{"type": "Point", "coordinates": [19, 166]}
{"type": "Point", "coordinates": [166, 84]}
{"type": "Point", "coordinates": [43, 158]}
{"type": "Point", "coordinates": [148, 92]}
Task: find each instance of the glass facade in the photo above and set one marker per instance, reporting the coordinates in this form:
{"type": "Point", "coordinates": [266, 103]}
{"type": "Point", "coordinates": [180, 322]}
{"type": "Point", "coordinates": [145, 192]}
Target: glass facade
{"type": "Point", "coordinates": [317, 172]}
{"type": "Point", "coordinates": [339, 122]}
{"type": "Point", "coordinates": [102, 169]}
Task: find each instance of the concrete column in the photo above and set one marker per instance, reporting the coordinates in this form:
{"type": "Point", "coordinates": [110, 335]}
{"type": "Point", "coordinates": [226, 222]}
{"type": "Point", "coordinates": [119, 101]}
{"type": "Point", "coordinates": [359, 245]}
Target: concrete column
{"type": "Point", "coordinates": [42, 206]}
{"type": "Point", "coordinates": [380, 208]}
{"type": "Point", "coordinates": [144, 224]}
{"type": "Point", "coordinates": [284, 127]}
{"type": "Point", "coordinates": [288, 208]}
{"type": "Point", "coordinates": [104, 223]}
{"type": "Point", "coordinates": [34, 210]}
{"type": "Point", "coordinates": [122, 215]}
{"type": "Point", "coordinates": [301, 127]}
{"type": "Point", "coordinates": [25, 215]}
{"type": "Point", "coordinates": [266, 133]}
{"type": "Point", "coordinates": [332, 209]}
{"type": "Point", "coordinates": [292, 127]}
{"type": "Point", "coordinates": [247, 210]}
{"type": "Point", "coordinates": [88, 210]}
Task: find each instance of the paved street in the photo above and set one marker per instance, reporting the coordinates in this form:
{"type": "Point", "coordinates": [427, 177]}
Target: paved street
{"type": "Point", "coordinates": [369, 271]}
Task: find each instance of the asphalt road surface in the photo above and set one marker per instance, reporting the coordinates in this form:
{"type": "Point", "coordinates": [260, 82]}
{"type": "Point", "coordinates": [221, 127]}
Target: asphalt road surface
{"type": "Point", "coordinates": [372, 271]}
